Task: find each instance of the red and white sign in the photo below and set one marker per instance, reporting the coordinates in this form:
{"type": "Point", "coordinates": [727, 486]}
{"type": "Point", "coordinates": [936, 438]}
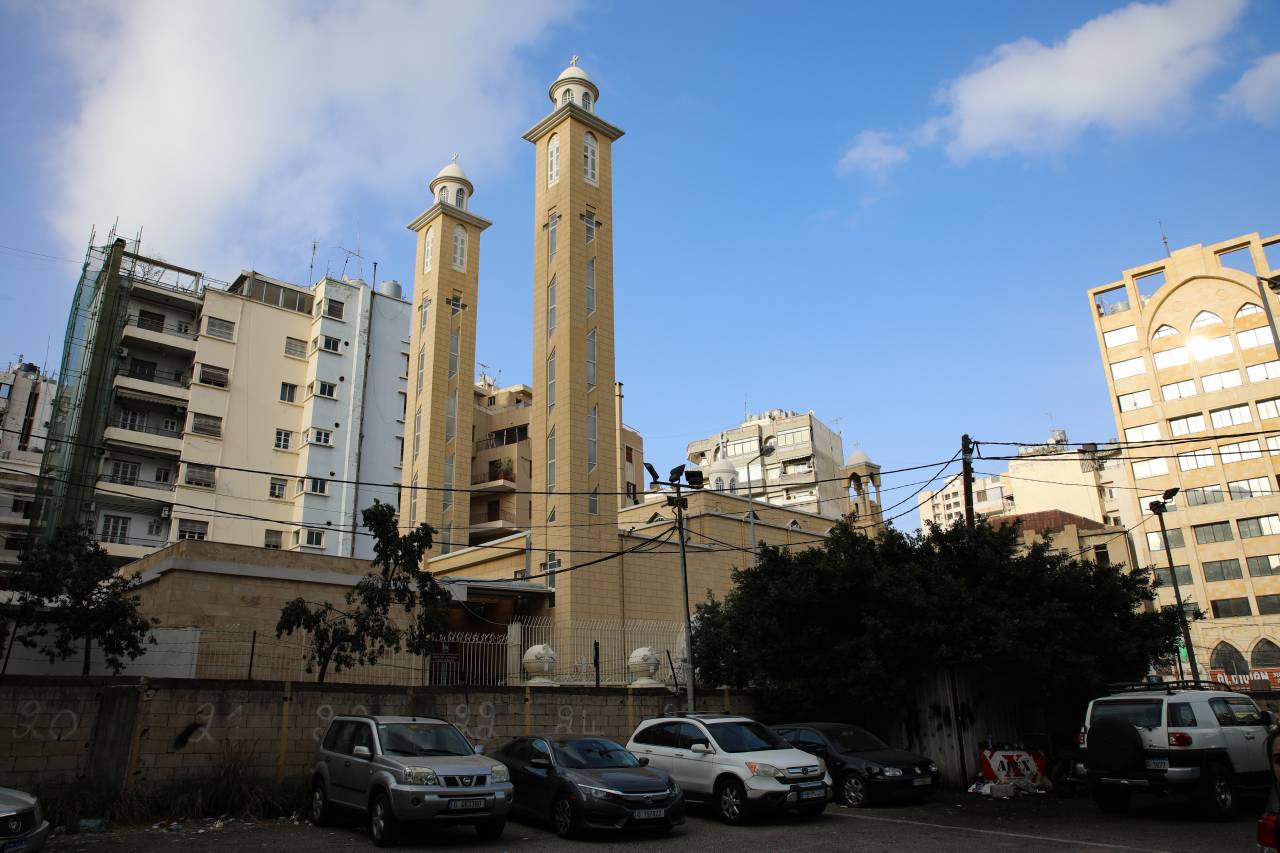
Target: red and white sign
{"type": "Point", "coordinates": [1271, 676]}
{"type": "Point", "coordinates": [1006, 765]}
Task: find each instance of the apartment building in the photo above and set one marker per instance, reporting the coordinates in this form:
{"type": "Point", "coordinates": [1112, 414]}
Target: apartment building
{"type": "Point", "coordinates": [805, 470]}
{"type": "Point", "coordinates": [26, 401]}
{"type": "Point", "coordinates": [945, 506]}
{"type": "Point", "coordinates": [1190, 360]}
{"type": "Point", "coordinates": [242, 412]}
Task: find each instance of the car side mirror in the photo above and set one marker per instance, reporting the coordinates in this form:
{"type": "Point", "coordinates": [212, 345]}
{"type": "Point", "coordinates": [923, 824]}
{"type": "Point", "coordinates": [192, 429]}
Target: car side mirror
{"type": "Point", "coordinates": [644, 762]}
{"type": "Point", "coordinates": [361, 752]}
{"type": "Point", "coordinates": [479, 748]}
{"type": "Point", "coordinates": [540, 763]}
{"type": "Point", "coordinates": [1268, 719]}
{"type": "Point", "coordinates": [701, 748]}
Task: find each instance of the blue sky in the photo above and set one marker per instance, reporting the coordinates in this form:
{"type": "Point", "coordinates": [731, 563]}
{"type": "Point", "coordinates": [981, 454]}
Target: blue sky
{"type": "Point", "coordinates": [886, 213]}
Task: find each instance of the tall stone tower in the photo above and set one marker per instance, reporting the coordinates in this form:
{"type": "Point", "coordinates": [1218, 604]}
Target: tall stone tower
{"type": "Point", "coordinates": [442, 354]}
{"type": "Point", "coordinates": [574, 516]}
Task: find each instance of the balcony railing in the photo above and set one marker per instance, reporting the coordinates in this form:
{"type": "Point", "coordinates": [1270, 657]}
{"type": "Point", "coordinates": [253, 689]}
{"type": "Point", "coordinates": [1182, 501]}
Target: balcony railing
{"type": "Point", "coordinates": [120, 539]}
{"type": "Point", "coordinates": [507, 476]}
{"type": "Point", "coordinates": [124, 480]}
{"type": "Point", "coordinates": [181, 329]}
{"type": "Point", "coordinates": [142, 426]}
{"type": "Point", "coordinates": [178, 379]}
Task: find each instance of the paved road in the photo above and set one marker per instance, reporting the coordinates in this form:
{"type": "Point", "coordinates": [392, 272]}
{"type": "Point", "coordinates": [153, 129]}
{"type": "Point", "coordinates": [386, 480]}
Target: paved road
{"type": "Point", "coordinates": [961, 822]}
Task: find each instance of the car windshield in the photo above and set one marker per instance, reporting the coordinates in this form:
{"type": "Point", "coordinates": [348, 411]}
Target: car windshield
{"type": "Point", "coordinates": [746, 737]}
{"type": "Point", "coordinates": [1140, 712]}
{"type": "Point", "coordinates": [592, 754]}
{"type": "Point", "coordinates": [422, 739]}
{"type": "Point", "coordinates": [855, 739]}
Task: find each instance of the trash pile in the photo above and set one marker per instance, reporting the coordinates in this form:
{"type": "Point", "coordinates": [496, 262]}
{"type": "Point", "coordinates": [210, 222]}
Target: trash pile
{"type": "Point", "coordinates": [209, 824]}
{"type": "Point", "coordinates": [1010, 772]}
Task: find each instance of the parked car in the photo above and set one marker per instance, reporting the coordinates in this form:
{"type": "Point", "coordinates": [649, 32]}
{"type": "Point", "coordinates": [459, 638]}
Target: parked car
{"type": "Point", "coordinates": [1202, 740]}
{"type": "Point", "coordinates": [734, 763]}
{"type": "Point", "coordinates": [1268, 830]}
{"type": "Point", "coordinates": [576, 782]}
{"type": "Point", "coordinates": [23, 828]}
{"type": "Point", "coordinates": [865, 768]}
{"type": "Point", "coordinates": [402, 770]}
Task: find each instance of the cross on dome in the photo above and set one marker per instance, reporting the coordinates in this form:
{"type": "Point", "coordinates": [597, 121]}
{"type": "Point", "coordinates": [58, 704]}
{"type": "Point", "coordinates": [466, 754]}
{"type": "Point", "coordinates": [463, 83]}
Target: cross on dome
{"type": "Point", "coordinates": [573, 60]}
{"type": "Point", "coordinates": [454, 158]}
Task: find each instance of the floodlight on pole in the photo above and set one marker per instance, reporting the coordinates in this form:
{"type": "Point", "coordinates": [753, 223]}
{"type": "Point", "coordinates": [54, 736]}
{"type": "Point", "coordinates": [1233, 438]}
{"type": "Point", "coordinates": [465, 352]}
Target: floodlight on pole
{"type": "Point", "coordinates": [1158, 508]}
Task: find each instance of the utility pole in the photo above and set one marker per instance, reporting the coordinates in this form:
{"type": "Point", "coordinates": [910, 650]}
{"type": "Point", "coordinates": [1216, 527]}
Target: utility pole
{"type": "Point", "coordinates": [1158, 508]}
{"type": "Point", "coordinates": [966, 453]}
{"type": "Point", "coordinates": [679, 501]}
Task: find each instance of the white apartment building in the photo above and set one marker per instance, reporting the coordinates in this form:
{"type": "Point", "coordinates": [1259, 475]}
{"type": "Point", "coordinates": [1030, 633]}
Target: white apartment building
{"type": "Point", "coordinates": [26, 399]}
{"type": "Point", "coordinates": [944, 506]}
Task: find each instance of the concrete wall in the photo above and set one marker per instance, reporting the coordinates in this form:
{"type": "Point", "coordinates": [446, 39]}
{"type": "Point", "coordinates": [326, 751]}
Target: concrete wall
{"type": "Point", "coordinates": [130, 731]}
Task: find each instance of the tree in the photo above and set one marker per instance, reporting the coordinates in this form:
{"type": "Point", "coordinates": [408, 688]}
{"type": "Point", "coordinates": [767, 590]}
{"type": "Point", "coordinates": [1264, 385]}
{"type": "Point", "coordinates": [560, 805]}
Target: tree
{"type": "Point", "coordinates": [67, 592]}
{"type": "Point", "coordinates": [396, 607]}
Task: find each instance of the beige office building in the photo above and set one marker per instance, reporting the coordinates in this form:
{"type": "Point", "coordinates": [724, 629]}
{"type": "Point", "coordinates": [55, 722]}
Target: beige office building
{"type": "Point", "coordinates": [1194, 379]}
{"type": "Point", "coordinates": [26, 400]}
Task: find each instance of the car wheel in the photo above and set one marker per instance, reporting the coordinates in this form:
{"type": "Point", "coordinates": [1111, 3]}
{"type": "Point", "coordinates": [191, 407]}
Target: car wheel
{"type": "Point", "coordinates": [853, 790]}
{"type": "Point", "coordinates": [382, 821]}
{"type": "Point", "coordinates": [1220, 800]}
{"type": "Point", "coordinates": [491, 830]}
{"type": "Point", "coordinates": [812, 810]}
{"type": "Point", "coordinates": [1110, 798]}
{"type": "Point", "coordinates": [731, 801]}
{"type": "Point", "coordinates": [563, 820]}
{"type": "Point", "coordinates": [321, 813]}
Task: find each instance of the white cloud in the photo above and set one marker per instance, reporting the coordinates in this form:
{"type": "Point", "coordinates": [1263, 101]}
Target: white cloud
{"type": "Point", "coordinates": [874, 153]}
{"type": "Point", "coordinates": [1257, 93]}
{"type": "Point", "coordinates": [228, 129]}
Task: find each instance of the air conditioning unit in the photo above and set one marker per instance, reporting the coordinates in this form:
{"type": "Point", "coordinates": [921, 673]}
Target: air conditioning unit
{"type": "Point", "coordinates": [122, 352]}
{"type": "Point", "coordinates": [166, 511]}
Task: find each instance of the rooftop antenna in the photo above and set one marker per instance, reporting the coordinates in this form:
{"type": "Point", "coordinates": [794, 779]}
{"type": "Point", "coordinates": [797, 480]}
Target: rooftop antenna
{"type": "Point", "coordinates": [311, 273]}
{"type": "Point", "coordinates": [1164, 239]}
{"type": "Point", "coordinates": [351, 254]}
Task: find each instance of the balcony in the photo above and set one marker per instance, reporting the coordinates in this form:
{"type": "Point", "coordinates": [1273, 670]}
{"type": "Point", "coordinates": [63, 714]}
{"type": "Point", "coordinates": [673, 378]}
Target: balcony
{"type": "Point", "coordinates": [128, 547]}
{"type": "Point", "coordinates": [157, 383]}
{"type": "Point", "coordinates": [133, 429]}
{"type": "Point", "coordinates": [119, 485]}
{"type": "Point", "coordinates": [494, 481]}
{"type": "Point", "coordinates": [178, 337]}
{"type": "Point", "coordinates": [485, 528]}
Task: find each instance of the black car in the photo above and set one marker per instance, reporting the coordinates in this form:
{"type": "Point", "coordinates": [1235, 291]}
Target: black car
{"type": "Point", "coordinates": [579, 782]}
{"type": "Point", "coordinates": [863, 767]}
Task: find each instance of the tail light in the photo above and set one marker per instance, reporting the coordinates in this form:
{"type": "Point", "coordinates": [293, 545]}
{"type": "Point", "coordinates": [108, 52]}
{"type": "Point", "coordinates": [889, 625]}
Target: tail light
{"type": "Point", "coordinates": [1268, 834]}
{"type": "Point", "coordinates": [1080, 736]}
{"type": "Point", "coordinates": [1179, 739]}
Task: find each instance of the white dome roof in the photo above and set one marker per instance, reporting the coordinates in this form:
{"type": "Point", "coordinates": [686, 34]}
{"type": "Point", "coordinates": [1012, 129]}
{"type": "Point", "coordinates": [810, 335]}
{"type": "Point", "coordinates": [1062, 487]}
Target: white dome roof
{"type": "Point", "coordinates": [722, 467]}
{"type": "Point", "coordinates": [573, 72]}
{"type": "Point", "coordinates": [452, 170]}
{"type": "Point", "coordinates": [857, 457]}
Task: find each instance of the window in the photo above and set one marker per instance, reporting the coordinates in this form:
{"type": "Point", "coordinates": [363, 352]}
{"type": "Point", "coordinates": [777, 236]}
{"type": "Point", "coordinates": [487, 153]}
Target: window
{"type": "Point", "coordinates": [1193, 459]}
{"type": "Point", "coordinates": [272, 539]}
{"type": "Point", "coordinates": [593, 422]}
{"type": "Point", "coordinates": [275, 489]}
{"type": "Point", "coordinates": [1225, 608]}
{"type": "Point", "coordinates": [163, 475]}
{"type": "Point", "coordinates": [454, 339]}
{"type": "Point", "coordinates": [417, 432]}
{"type": "Point", "coordinates": [1264, 566]}
{"type": "Point", "coordinates": [1233, 416]}
{"type": "Point", "coordinates": [1146, 432]}
{"type": "Point", "coordinates": [428, 251]}
{"type": "Point", "coordinates": [460, 198]}
{"type": "Point", "coordinates": [632, 494]}
{"type": "Point", "coordinates": [1251, 338]}
{"type": "Point", "coordinates": [216, 327]}
{"type": "Point", "coordinates": [295, 347]}
{"type": "Point", "coordinates": [1263, 525]}
{"type": "Point", "coordinates": [551, 380]}
{"type": "Point", "coordinates": [553, 159]}
{"type": "Point", "coordinates": [125, 473]}
{"type": "Point", "coordinates": [591, 286]}
{"type": "Point", "coordinates": [553, 230]}
{"type": "Point", "coordinates": [1183, 574]}
{"type": "Point", "coordinates": [1211, 348]}
{"type": "Point", "coordinates": [589, 224]}
{"type": "Point", "coordinates": [1165, 331]}
{"type": "Point", "coordinates": [593, 502]}
{"type": "Point", "coordinates": [1150, 468]}
{"type": "Point", "coordinates": [551, 306]}
{"type": "Point", "coordinates": [1255, 487]}
{"type": "Point", "coordinates": [1247, 309]}
{"type": "Point", "coordinates": [1268, 605]}
{"type": "Point", "coordinates": [191, 529]}
{"type": "Point", "coordinates": [1136, 400]}
{"type": "Point", "coordinates": [1187, 425]}
{"type": "Point", "coordinates": [791, 437]}
{"type": "Point", "coordinates": [1263, 372]}
{"type": "Point", "coordinates": [590, 158]}
{"type": "Point", "coordinates": [6, 388]}
{"type": "Point", "coordinates": [566, 97]}
{"type": "Point", "coordinates": [206, 424]}
{"type": "Point", "coordinates": [315, 539]}
{"type": "Point", "coordinates": [551, 460]}
{"type": "Point", "coordinates": [284, 438]}
{"type": "Point", "coordinates": [1178, 390]}
{"type": "Point", "coordinates": [1218, 381]}
{"type": "Point", "coordinates": [1205, 318]}
{"type": "Point", "coordinates": [1120, 336]}
{"type": "Point", "coordinates": [331, 344]}
{"type": "Point", "coordinates": [200, 475]}
{"type": "Point", "coordinates": [451, 416]}
{"type": "Point", "coordinates": [1202, 495]}
{"type": "Point", "coordinates": [459, 248]}
{"type": "Point", "coordinates": [333, 309]}
{"type": "Point", "coordinates": [1240, 451]}
{"type": "Point", "coordinates": [422, 368]}
{"type": "Point", "coordinates": [1148, 283]}
{"type": "Point", "coordinates": [443, 198]}
{"type": "Point", "coordinates": [288, 392]}
{"type": "Point", "coordinates": [447, 499]}
{"type": "Point", "coordinates": [591, 359]}
{"type": "Point", "coordinates": [1221, 570]}
{"type": "Point", "coordinates": [413, 500]}
{"type": "Point", "coordinates": [1170, 357]}
{"type": "Point", "coordinates": [1128, 367]}
{"type": "Point", "coordinates": [317, 485]}
{"type": "Point", "coordinates": [586, 101]}
{"type": "Point", "coordinates": [115, 529]}
{"type": "Point", "coordinates": [321, 436]}
{"type": "Point", "coordinates": [1155, 543]}
{"type": "Point", "coordinates": [328, 389]}
{"type": "Point", "coordinates": [218, 377]}
{"type": "Point", "coordinates": [1207, 534]}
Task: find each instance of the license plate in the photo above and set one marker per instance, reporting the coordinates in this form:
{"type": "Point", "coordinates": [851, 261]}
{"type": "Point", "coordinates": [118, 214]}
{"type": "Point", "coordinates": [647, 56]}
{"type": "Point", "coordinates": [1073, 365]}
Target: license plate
{"type": "Point", "coordinates": [456, 805]}
{"type": "Point", "coordinates": [921, 781]}
{"type": "Point", "coordinates": [649, 814]}
{"type": "Point", "coordinates": [16, 847]}
{"type": "Point", "coordinates": [812, 795]}
{"type": "Point", "coordinates": [1157, 763]}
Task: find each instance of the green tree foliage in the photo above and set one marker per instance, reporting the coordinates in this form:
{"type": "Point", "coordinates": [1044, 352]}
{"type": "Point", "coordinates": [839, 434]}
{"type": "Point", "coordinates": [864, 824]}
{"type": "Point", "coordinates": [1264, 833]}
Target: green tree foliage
{"type": "Point", "coordinates": [394, 607]}
{"type": "Point", "coordinates": [854, 622]}
{"type": "Point", "coordinates": [68, 596]}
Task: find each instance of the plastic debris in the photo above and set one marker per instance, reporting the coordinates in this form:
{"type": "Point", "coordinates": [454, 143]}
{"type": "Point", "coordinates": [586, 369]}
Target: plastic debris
{"type": "Point", "coordinates": [96, 824]}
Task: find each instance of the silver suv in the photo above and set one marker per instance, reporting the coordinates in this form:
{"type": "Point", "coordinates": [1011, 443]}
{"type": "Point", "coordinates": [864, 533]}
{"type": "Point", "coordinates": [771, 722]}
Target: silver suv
{"type": "Point", "coordinates": [1175, 738]}
{"type": "Point", "coordinates": [403, 769]}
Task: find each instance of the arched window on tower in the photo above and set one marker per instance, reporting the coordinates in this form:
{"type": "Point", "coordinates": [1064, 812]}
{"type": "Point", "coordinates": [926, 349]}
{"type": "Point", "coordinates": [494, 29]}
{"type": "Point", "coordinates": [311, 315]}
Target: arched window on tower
{"type": "Point", "coordinates": [1247, 309]}
{"type": "Point", "coordinates": [1266, 655]}
{"type": "Point", "coordinates": [1205, 318]}
{"type": "Point", "coordinates": [586, 101]}
{"type": "Point", "coordinates": [460, 198]}
{"type": "Point", "coordinates": [551, 380]}
{"type": "Point", "coordinates": [1227, 658]}
{"type": "Point", "coordinates": [427, 240]}
{"type": "Point", "coordinates": [553, 159]}
{"type": "Point", "coordinates": [566, 97]}
{"type": "Point", "coordinates": [719, 484]}
{"type": "Point", "coordinates": [590, 158]}
{"type": "Point", "coordinates": [1164, 331]}
{"type": "Point", "coordinates": [444, 195]}
{"type": "Point", "coordinates": [459, 248]}
{"type": "Point", "coordinates": [733, 485]}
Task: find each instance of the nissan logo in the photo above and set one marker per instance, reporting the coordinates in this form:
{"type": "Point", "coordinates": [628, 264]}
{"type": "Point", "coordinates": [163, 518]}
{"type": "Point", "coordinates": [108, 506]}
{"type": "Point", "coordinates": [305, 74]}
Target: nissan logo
{"type": "Point", "coordinates": [648, 799]}
{"type": "Point", "coordinates": [466, 780]}
{"type": "Point", "coordinates": [15, 823]}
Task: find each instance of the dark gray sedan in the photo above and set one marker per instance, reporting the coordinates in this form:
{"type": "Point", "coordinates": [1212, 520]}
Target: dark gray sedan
{"type": "Point", "coordinates": [578, 782]}
{"type": "Point", "coordinates": [23, 828]}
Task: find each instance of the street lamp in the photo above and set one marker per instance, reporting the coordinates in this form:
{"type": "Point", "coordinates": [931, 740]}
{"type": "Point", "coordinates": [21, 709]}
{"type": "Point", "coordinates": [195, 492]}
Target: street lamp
{"type": "Point", "coordinates": [1158, 508]}
{"type": "Point", "coordinates": [1272, 284]}
{"type": "Point", "coordinates": [680, 503]}
{"type": "Point", "coordinates": [766, 450]}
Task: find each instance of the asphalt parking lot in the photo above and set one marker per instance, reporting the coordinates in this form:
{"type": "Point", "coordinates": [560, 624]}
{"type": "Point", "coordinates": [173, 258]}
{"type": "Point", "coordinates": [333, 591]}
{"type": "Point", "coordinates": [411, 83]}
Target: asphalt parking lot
{"type": "Point", "coordinates": [951, 822]}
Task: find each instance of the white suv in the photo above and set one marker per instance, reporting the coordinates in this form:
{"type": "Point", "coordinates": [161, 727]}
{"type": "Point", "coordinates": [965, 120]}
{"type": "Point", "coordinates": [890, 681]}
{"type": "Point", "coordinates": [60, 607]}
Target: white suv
{"type": "Point", "coordinates": [1175, 737]}
{"type": "Point", "coordinates": [734, 763]}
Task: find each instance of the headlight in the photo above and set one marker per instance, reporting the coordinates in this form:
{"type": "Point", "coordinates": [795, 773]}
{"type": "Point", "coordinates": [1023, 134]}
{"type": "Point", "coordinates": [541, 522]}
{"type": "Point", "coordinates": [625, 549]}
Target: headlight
{"type": "Point", "coordinates": [598, 793]}
{"type": "Point", "coordinates": [933, 768]}
{"type": "Point", "coordinates": [822, 766]}
{"type": "Point", "coordinates": [499, 773]}
{"type": "Point", "coordinates": [675, 789]}
{"type": "Point", "coordinates": [421, 776]}
{"type": "Point", "coordinates": [892, 771]}
{"type": "Point", "coordinates": [759, 768]}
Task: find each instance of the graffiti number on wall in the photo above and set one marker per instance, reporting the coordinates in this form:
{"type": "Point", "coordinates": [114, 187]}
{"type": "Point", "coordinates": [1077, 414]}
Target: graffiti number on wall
{"type": "Point", "coordinates": [479, 726]}
{"type": "Point", "coordinates": [60, 724]}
